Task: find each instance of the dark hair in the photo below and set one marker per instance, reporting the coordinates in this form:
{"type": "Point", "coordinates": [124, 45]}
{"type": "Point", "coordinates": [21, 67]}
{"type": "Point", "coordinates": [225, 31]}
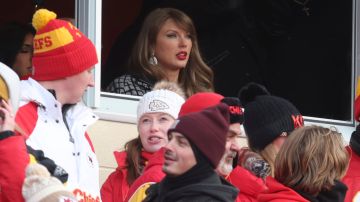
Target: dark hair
{"type": "Point", "coordinates": [195, 77]}
{"type": "Point", "coordinates": [12, 37]}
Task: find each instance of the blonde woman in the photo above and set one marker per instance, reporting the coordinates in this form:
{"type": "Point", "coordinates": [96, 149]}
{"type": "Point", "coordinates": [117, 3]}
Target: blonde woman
{"type": "Point", "coordinates": [309, 167]}
{"type": "Point", "coordinates": [156, 112]}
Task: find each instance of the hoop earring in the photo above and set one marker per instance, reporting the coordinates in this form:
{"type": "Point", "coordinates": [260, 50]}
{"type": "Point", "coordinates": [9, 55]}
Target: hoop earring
{"type": "Point", "coordinates": [153, 60]}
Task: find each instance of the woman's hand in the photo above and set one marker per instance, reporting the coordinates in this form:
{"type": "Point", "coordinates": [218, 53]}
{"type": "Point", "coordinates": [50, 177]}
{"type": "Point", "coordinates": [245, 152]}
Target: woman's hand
{"type": "Point", "coordinates": [7, 118]}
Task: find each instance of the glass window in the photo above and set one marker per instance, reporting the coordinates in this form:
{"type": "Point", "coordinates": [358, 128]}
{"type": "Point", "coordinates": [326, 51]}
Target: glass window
{"type": "Point", "coordinates": [303, 50]}
{"type": "Point", "coordinates": [299, 50]}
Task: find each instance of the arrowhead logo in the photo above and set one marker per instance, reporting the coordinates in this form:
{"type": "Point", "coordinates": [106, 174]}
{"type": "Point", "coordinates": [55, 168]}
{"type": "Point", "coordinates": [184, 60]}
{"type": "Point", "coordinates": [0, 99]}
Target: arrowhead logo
{"type": "Point", "coordinates": [157, 105]}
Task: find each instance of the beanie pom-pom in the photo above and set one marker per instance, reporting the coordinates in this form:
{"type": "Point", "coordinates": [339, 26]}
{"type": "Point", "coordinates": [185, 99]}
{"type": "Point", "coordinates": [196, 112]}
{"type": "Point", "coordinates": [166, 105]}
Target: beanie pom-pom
{"type": "Point", "coordinates": [250, 91]}
{"type": "Point", "coordinates": [37, 169]}
{"type": "Point", "coordinates": [42, 17]}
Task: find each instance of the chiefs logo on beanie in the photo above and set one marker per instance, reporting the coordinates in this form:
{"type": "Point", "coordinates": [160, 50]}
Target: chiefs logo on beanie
{"type": "Point", "coordinates": [235, 109]}
{"type": "Point", "coordinates": [60, 49]}
{"type": "Point", "coordinates": [203, 100]}
{"type": "Point", "coordinates": [266, 117]}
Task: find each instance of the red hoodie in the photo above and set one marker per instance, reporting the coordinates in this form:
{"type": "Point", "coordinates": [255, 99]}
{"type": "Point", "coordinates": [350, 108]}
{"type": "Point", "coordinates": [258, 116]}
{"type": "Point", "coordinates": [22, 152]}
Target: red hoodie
{"type": "Point", "coordinates": [152, 174]}
{"type": "Point", "coordinates": [249, 185]}
{"type": "Point", "coordinates": [115, 188]}
{"type": "Point", "coordinates": [277, 192]}
{"type": "Point", "coordinates": [14, 158]}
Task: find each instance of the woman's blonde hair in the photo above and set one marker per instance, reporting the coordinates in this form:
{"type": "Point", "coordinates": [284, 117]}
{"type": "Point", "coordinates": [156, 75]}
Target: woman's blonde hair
{"type": "Point", "coordinates": [312, 158]}
{"type": "Point", "coordinates": [195, 77]}
{"type": "Point", "coordinates": [269, 154]}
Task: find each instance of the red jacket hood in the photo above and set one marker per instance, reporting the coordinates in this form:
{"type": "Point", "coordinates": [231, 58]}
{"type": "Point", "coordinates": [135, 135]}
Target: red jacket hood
{"type": "Point", "coordinates": [249, 185]}
{"type": "Point", "coordinates": [277, 192]}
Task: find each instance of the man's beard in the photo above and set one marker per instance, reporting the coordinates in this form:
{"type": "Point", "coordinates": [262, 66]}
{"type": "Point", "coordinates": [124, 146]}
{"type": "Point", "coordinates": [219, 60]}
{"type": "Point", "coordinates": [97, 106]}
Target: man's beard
{"type": "Point", "coordinates": [226, 164]}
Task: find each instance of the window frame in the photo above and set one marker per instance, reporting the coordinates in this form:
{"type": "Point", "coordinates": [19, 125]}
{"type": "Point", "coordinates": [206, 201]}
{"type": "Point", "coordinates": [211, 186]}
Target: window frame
{"type": "Point", "coordinates": [122, 108]}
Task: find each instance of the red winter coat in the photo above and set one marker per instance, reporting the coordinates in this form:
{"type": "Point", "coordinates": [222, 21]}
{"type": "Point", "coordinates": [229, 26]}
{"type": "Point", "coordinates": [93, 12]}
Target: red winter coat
{"type": "Point", "coordinates": [278, 192]}
{"type": "Point", "coordinates": [152, 174]}
{"type": "Point", "coordinates": [249, 185]}
{"type": "Point", "coordinates": [115, 188]}
{"type": "Point", "coordinates": [352, 177]}
{"type": "Point", "coordinates": [13, 160]}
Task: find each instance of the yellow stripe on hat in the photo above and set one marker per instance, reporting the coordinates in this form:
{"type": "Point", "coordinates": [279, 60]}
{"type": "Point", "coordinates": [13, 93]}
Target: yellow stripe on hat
{"type": "Point", "coordinates": [4, 92]}
{"type": "Point", "coordinates": [51, 40]}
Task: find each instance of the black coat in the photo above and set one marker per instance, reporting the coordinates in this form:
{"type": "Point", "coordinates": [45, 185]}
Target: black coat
{"type": "Point", "coordinates": [336, 194]}
{"type": "Point", "coordinates": [213, 188]}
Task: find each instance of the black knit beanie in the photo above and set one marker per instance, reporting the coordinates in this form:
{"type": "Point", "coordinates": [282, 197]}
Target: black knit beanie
{"type": "Point", "coordinates": [266, 117]}
{"type": "Point", "coordinates": [235, 109]}
{"type": "Point", "coordinates": [207, 130]}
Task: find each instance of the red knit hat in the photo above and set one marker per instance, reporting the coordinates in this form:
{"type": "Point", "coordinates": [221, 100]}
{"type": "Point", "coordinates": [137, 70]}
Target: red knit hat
{"type": "Point", "coordinates": [200, 101]}
{"type": "Point", "coordinates": [207, 130]}
{"type": "Point", "coordinates": [60, 49]}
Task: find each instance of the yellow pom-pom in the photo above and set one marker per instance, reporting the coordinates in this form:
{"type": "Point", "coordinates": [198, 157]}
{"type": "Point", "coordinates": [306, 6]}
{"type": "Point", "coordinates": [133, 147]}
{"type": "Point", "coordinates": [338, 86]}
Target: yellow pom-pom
{"type": "Point", "coordinates": [42, 17]}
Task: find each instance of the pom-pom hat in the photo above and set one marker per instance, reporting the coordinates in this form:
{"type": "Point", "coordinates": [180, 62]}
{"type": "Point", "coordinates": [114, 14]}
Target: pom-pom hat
{"type": "Point", "coordinates": [266, 117]}
{"type": "Point", "coordinates": [39, 185]}
{"type": "Point", "coordinates": [60, 49]}
{"type": "Point", "coordinates": [162, 100]}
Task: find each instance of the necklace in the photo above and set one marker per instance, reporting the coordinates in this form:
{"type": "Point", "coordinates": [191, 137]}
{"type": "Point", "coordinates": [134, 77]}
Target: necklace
{"type": "Point", "coordinates": [304, 7]}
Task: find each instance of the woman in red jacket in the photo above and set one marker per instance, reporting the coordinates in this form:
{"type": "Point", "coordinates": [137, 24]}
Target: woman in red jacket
{"type": "Point", "coordinates": [309, 167]}
{"type": "Point", "coordinates": [14, 156]}
{"type": "Point", "coordinates": [157, 111]}
{"type": "Point", "coordinates": [352, 177]}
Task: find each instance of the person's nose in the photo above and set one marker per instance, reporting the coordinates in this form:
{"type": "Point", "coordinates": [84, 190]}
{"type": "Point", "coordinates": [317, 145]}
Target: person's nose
{"type": "Point", "coordinates": [168, 146]}
{"type": "Point", "coordinates": [183, 42]}
{"type": "Point", "coordinates": [234, 146]}
{"type": "Point", "coordinates": [154, 127]}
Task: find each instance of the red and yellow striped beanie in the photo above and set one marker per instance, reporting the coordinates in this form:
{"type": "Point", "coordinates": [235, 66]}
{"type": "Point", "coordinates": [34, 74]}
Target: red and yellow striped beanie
{"type": "Point", "coordinates": [60, 49]}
